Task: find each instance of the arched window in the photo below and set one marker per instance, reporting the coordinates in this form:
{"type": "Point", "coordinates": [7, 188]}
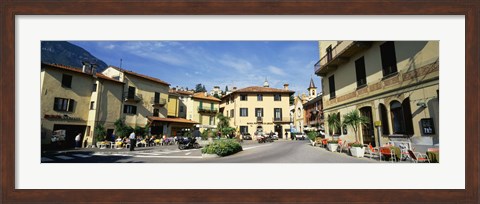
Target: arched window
{"type": "Point", "coordinates": [384, 119]}
{"type": "Point", "coordinates": [401, 117]}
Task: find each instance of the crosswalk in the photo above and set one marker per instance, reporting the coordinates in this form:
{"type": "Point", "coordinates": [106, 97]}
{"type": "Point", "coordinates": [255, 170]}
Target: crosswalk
{"type": "Point", "coordinates": [168, 154]}
{"type": "Point", "coordinates": [64, 157]}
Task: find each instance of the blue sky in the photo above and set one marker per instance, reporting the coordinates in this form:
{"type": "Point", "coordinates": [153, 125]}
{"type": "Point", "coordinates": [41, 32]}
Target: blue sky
{"type": "Point", "coordinates": [215, 63]}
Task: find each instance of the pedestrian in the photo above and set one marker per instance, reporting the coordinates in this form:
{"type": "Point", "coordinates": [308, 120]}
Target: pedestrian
{"type": "Point", "coordinates": [286, 135]}
{"type": "Point", "coordinates": [133, 141]}
{"type": "Point", "coordinates": [78, 138]}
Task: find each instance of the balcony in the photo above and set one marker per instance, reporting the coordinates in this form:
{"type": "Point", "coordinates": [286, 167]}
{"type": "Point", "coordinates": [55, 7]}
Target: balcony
{"type": "Point", "coordinates": [159, 102]}
{"type": "Point", "coordinates": [341, 53]}
{"type": "Point", "coordinates": [135, 98]}
{"type": "Point", "coordinates": [259, 119]}
{"type": "Point", "coordinates": [207, 110]}
{"type": "Point", "coordinates": [282, 120]}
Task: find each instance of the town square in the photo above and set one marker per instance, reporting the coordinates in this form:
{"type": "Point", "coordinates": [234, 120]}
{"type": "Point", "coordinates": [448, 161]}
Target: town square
{"type": "Point", "coordinates": [241, 102]}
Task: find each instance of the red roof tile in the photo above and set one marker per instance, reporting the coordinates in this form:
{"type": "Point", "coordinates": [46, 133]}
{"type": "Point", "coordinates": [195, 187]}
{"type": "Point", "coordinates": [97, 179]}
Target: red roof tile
{"type": "Point", "coordinates": [201, 95]}
{"type": "Point", "coordinates": [79, 70]}
{"type": "Point", "coordinates": [141, 75]}
{"type": "Point", "coordinates": [173, 120]}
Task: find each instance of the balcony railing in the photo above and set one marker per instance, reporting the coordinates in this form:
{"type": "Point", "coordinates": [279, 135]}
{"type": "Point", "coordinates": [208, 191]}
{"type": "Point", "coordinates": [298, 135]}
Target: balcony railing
{"type": "Point", "coordinates": [135, 98]}
{"type": "Point", "coordinates": [339, 54]}
{"type": "Point", "coordinates": [259, 119]}
{"type": "Point", "coordinates": [282, 119]}
{"type": "Point", "coordinates": [159, 102]}
{"type": "Point", "coordinates": [207, 110]}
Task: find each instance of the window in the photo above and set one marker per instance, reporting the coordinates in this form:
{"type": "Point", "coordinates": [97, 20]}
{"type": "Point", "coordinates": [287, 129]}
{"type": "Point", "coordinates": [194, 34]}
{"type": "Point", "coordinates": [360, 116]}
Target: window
{"type": "Point", "coordinates": [63, 104]}
{"type": "Point", "coordinates": [384, 119]}
{"type": "Point", "coordinates": [258, 112]}
{"type": "Point", "coordinates": [277, 97]}
{"type": "Point", "coordinates": [212, 120]}
{"type": "Point", "coordinates": [211, 106]}
{"type": "Point", "coordinates": [331, 86]}
{"type": "Point", "coordinates": [401, 117]}
{"type": "Point", "coordinates": [181, 109]}
{"type": "Point", "coordinates": [232, 113]}
{"type": "Point", "coordinates": [389, 60]}
{"type": "Point", "coordinates": [67, 81]}
{"type": "Point", "coordinates": [92, 105]}
{"type": "Point", "coordinates": [201, 104]}
{"type": "Point", "coordinates": [259, 97]}
{"type": "Point", "coordinates": [156, 99]}
{"type": "Point", "coordinates": [360, 71]}
{"type": "Point", "coordinates": [313, 92]}
{"type": "Point", "coordinates": [243, 112]}
{"type": "Point", "coordinates": [131, 92]}
{"type": "Point", "coordinates": [129, 109]}
{"type": "Point", "coordinates": [243, 97]}
{"type": "Point", "coordinates": [243, 129]}
{"type": "Point", "coordinates": [156, 112]}
{"type": "Point", "coordinates": [277, 114]}
{"type": "Point", "coordinates": [94, 87]}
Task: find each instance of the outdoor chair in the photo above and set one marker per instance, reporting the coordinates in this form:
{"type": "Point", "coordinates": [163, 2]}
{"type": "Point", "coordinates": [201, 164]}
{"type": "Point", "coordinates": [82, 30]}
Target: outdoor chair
{"type": "Point", "coordinates": [418, 157]}
{"type": "Point", "coordinates": [372, 151]}
{"type": "Point", "coordinates": [387, 151]}
{"type": "Point", "coordinates": [343, 146]}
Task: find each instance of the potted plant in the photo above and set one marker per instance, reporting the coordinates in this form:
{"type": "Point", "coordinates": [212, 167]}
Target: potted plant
{"type": "Point", "coordinates": [332, 145]}
{"type": "Point", "coordinates": [355, 120]}
{"type": "Point", "coordinates": [312, 136]}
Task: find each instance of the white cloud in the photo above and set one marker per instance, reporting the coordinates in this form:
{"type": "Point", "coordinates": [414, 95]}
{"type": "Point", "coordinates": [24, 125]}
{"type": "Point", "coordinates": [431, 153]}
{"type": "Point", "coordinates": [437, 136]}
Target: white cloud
{"type": "Point", "coordinates": [276, 70]}
{"type": "Point", "coordinates": [109, 46]}
{"type": "Point", "coordinates": [241, 65]}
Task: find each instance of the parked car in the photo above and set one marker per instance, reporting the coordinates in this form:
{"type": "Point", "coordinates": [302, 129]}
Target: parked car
{"type": "Point", "coordinates": [247, 136]}
{"type": "Point", "coordinates": [300, 136]}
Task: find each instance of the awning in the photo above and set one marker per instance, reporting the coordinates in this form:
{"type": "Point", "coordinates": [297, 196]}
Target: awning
{"type": "Point", "coordinates": [171, 120]}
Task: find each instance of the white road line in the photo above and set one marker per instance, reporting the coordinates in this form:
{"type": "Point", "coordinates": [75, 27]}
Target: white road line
{"type": "Point", "coordinates": [247, 148]}
{"type": "Point", "coordinates": [171, 157]}
{"type": "Point", "coordinates": [45, 159]}
{"type": "Point", "coordinates": [81, 155]}
{"type": "Point", "coordinates": [64, 157]}
{"type": "Point", "coordinates": [188, 153]}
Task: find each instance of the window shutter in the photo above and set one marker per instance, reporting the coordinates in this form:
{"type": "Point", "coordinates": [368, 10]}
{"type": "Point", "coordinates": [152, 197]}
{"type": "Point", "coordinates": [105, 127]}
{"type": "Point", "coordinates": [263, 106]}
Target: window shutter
{"type": "Point", "coordinates": [71, 105]}
{"type": "Point", "coordinates": [124, 108]}
{"type": "Point", "coordinates": [134, 109]}
{"type": "Point", "coordinates": [407, 115]}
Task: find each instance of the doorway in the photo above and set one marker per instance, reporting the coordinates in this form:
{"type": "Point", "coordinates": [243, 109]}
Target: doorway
{"type": "Point", "coordinates": [71, 131]}
{"type": "Point", "coordinates": [278, 129]}
{"type": "Point", "coordinates": [367, 130]}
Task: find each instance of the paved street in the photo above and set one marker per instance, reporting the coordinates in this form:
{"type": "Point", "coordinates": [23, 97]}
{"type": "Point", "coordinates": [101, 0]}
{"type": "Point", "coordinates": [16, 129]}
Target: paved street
{"type": "Point", "coordinates": [276, 152]}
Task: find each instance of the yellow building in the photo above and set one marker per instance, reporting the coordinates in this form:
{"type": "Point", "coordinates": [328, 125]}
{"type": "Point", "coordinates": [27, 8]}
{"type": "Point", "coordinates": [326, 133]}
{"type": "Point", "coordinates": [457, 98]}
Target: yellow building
{"type": "Point", "coordinates": [77, 100]}
{"type": "Point", "coordinates": [143, 96]}
{"type": "Point", "coordinates": [173, 104]}
{"type": "Point", "coordinates": [258, 108]}
{"type": "Point", "coordinates": [394, 84]}
{"type": "Point", "coordinates": [203, 109]}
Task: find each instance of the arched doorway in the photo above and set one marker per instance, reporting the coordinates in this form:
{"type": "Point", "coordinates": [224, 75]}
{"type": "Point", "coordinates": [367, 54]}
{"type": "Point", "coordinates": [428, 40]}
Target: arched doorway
{"type": "Point", "coordinates": [367, 130]}
{"type": "Point", "coordinates": [401, 117]}
{"type": "Point", "coordinates": [278, 129]}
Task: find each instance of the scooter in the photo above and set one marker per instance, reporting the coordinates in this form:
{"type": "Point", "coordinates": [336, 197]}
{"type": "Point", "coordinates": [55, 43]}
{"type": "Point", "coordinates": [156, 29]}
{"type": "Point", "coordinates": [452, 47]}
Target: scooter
{"type": "Point", "coordinates": [188, 143]}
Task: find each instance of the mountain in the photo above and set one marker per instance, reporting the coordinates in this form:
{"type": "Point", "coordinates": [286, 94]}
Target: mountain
{"type": "Point", "coordinates": [65, 53]}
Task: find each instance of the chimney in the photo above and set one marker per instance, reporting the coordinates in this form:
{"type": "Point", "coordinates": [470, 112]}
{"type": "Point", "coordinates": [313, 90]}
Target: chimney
{"type": "Point", "coordinates": [234, 88]}
{"type": "Point", "coordinates": [285, 86]}
{"type": "Point", "coordinates": [206, 94]}
{"type": "Point", "coordinates": [174, 88]}
{"type": "Point", "coordinates": [85, 67]}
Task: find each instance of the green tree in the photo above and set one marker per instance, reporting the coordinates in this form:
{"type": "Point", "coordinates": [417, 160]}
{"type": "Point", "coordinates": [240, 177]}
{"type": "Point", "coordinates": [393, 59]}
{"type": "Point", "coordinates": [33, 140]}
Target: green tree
{"type": "Point", "coordinates": [292, 99]}
{"type": "Point", "coordinates": [204, 89]}
{"type": "Point", "coordinates": [333, 122]}
{"type": "Point", "coordinates": [198, 88]}
{"type": "Point", "coordinates": [355, 120]}
{"type": "Point", "coordinates": [100, 132]}
{"type": "Point", "coordinates": [226, 89]}
{"type": "Point", "coordinates": [216, 96]}
{"type": "Point", "coordinates": [223, 124]}
{"type": "Point", "coordinates": [121, 130]}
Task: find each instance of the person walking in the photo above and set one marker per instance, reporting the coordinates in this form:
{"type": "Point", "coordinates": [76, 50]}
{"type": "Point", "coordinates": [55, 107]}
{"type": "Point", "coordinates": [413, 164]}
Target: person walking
{"type": "Point", "coordinates": [77, 140]}
{"type": "Point", "coordinates": [133, 141]}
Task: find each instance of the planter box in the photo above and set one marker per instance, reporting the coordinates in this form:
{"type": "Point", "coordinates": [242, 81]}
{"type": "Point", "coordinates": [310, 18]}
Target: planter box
{"type": "Point", "coordinates": [357, 151]}
{"type": "Point", "coordinates": [332, 146]}
{"type": "Point", "coordinates": [210, 156]}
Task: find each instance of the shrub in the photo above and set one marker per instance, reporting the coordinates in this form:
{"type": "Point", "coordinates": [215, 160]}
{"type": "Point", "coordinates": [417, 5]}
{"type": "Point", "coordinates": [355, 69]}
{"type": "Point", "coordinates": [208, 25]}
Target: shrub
{"type": "Point", "coordinates": [356, 144]}
{"type": "Point", "coordinates": [332, 141]}
{"type": "Point", "coordinates": [222, 147]}
{"type": "Point", "coordinates": [312, 135]}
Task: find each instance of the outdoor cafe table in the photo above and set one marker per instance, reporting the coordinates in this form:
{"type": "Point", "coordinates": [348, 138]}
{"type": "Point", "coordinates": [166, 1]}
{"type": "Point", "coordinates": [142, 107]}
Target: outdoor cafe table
{"type": "Point", "coordinates": [434, 156]}
{"type": "Point", "coordinates": [386, 151]}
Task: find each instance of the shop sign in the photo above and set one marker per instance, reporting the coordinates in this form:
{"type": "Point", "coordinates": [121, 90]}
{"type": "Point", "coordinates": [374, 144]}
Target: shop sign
{"type": "Point", "coordinates": [427, 126]}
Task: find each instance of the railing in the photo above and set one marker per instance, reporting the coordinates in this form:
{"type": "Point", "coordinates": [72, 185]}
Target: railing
{"type": "Point", "coordinates": [159, 102]}
{"type": "Point", "coordinates": [207, 110]}
{"type": "Point", "coordinates": [341, 45]}
{"type": "Point", "coordinates": [135, 98]}
{"type": "Point", "coordinates": [259, 119]}
{"type": "Point", "coordinates": [282, 119]}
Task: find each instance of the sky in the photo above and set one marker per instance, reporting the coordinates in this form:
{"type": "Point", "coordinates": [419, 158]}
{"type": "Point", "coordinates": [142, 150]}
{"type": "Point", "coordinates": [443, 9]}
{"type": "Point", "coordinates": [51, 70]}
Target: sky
{"type": "Point", "coordinates": [215, 63]}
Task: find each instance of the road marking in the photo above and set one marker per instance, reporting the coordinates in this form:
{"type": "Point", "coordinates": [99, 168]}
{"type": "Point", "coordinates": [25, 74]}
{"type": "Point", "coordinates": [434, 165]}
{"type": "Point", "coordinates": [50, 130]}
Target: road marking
{"type": "Point", "coordinates": [64, 157]}
{"type": "Point", "coordinates": [171, 157]}
{"type": "Point", "coordinates": [45, 159]}
{"type": "Point", "coordinates": [188, 153]}
{"type": "Point", "coordinates": [81, 155]}
{"type": "Point", "coordinates": [247, 148]}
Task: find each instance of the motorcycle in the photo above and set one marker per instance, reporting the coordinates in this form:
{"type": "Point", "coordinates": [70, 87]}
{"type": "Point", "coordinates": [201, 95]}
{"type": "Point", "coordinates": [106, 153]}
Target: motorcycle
{"type": "Point", "coordinates": [264, 139]}
{"type": "Point", "coordinates": [188, 143]}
